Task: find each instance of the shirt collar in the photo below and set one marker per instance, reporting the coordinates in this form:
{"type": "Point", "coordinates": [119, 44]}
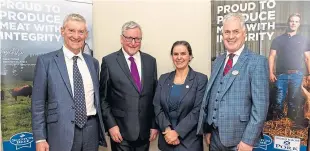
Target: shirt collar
{"type": "Point", "coordinates": [238, 52]}
{"type": "Point", "coordinates": [69, 54]}
{"type": "Point", "coordinates": [288, 35]}
{"type": "Point", "coordinates": [135, 56]}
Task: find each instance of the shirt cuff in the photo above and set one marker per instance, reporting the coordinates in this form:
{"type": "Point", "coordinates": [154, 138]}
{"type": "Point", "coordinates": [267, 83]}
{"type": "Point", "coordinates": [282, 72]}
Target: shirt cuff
{"type": "Point", "coordinates": [39, 141]}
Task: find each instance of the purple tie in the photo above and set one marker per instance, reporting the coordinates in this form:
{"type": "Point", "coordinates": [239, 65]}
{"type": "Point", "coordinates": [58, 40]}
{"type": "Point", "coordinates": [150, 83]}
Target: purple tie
{"type": "Point", "coordinates": [134, 72]}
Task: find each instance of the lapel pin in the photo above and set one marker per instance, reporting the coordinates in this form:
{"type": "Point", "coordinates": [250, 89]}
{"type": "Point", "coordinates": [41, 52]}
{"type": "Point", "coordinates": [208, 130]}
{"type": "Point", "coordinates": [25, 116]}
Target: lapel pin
{"type": "Point", "coordinates": [235, 72]}
{"type": "Point", "coordinates": [187, 86]}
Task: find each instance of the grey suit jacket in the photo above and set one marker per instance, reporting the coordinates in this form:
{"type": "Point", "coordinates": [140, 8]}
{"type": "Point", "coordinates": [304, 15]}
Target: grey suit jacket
{"type": "Point", "coordinates": [122, 104]}
{"type": "Point", "coordinates": [53, 114]}
{"type": "Point", "coordinates": [191, 98]}
{"type": "Point", "coordinates": [244, 102]}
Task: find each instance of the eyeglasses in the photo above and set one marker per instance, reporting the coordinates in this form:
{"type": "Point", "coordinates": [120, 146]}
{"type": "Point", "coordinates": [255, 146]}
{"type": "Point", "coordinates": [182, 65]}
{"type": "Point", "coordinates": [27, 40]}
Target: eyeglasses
{"type": "Point", "coordinates": [130, 39]}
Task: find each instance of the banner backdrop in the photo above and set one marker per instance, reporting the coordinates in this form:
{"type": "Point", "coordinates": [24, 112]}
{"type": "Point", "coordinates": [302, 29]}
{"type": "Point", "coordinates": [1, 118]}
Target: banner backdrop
{"type": "Point", "coordinates": [28, 29]}
{"type": "Point", "coordinates": [287, 123]}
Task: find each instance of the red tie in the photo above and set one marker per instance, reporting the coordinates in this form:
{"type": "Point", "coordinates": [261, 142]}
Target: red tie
{"type": "Point", "coordinates": [229, 64]}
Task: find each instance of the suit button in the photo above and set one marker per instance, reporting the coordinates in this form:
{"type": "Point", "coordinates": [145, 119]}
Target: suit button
{"type": "Point", "coordinates": [72, 122]}
{"type": "Point", "coordinates": [216, 100]}
{"type": "Point", "coordinates": [218, 91]}
{"type": "Point", "coordinates": [221, 82]}
{"type": "Point", "coordinates": [213, 117]}
{"type": "Point", "coordinates": [214, 109]}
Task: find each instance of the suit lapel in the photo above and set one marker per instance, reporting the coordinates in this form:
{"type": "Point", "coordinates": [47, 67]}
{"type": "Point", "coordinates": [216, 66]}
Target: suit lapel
{"type": "Point", "coordinates": [92, 71]}
{"type": "Point", "coordinates": [61, 64]}
{"type": "Point", "coordinates": [236, 68]}
{"type": "Point", "coordinates": [143, 70]}
{"type": "Point", "coordinates": [187, 86]}
{"type": "Point", "coordinates": [123, 64]}
{"type": "Point", "coordinates": [167, 89]}
{"type": "Point", "coordinates": [216, 69]}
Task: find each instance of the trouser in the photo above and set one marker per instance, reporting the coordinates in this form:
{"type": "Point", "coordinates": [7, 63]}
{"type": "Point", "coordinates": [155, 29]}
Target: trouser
{"type": "Point", "coordinates": [289, 86]}
{"type": "Point", "coordinates": [215, 142]}
{"type": "Point", "coordinates": [87, 138]}
{"type": "Point", "coordinates": [138, 145]}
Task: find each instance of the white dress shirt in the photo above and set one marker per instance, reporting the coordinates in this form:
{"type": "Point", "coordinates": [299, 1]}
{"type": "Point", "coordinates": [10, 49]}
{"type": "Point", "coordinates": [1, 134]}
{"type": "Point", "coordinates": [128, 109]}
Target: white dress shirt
{"type": "Point", "coordinates": [236, 57]}
{"type": "Point", "coordinates": [137, 58]}
{"type": "Point", "coordinates": [87, 80]}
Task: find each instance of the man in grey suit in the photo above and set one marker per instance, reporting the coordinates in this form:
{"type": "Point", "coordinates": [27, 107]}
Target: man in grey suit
{"type": "Point", "coordinates": [127, 86]}
{"type": "Point", "coordinates": [66, 113]}
{"type": "Point", "coordinates": [236, 100]}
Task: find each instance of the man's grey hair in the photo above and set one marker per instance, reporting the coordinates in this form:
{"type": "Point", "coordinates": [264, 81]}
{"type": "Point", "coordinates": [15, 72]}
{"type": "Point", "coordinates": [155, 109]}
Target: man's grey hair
{"type": "Point", "coordinates": [235, 15]}
{"type": "Point", "coordinates": [130, 25]}
{"type": "Point", "coordinates": [73, 17]}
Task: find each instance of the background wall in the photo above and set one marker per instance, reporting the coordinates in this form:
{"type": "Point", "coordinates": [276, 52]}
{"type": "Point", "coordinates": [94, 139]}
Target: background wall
{"type": "Point", "coordinates": [163, 23]}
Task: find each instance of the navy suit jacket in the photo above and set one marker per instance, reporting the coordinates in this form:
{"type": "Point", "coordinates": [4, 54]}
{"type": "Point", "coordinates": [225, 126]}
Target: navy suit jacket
{"type": "Point", "coordinates": [53, 113]}
{"type": "Point", "coordinates": [243, 102]}
{"type": "Point", "coordinates": [191, 98]}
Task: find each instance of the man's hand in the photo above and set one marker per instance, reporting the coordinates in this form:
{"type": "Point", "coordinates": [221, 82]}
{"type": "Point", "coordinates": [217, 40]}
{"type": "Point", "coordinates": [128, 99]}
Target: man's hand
{"type": "Point", "coordinates": [272, 77]}
{"type": "Point", "coordinates": [244, 147]}
{"type": "Point", "coordinates": [167, 129]}
{"type": "Point", "coordinates": [42, 146]}
{"type": "Point", "coordinates": [115, 134]}
{"type": "Point", "coordinates": [208, 138]}
{"type": "Point", "coordinates": [308, 79]}
{"type": "Point", "coordinates": [177, 142]}
{"type": "Point", "coordinates": [171, 136]}
{"type": "Point", "coordinates": [153, 134]}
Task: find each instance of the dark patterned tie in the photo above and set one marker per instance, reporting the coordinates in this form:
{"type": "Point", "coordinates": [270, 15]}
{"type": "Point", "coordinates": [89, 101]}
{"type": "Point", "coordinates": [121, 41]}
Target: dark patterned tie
{"type": "Point", "coordinates": [229, 64]}
{"type": "Point", "coordinates": [134, 72]}
{"type": "Point", "coordinates": [79, 95]}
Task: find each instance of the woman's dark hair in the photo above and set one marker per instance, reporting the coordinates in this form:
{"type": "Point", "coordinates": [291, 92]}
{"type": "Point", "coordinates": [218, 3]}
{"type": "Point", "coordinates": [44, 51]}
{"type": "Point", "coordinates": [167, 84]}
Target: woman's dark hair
{"type": "Point", "coordinates": [184, 43]}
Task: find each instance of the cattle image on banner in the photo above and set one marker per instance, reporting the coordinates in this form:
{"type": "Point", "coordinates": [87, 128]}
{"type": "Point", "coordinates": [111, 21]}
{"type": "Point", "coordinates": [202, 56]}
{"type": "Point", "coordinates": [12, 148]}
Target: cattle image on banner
{"type": "Point", "coordinates": [29, 29]}
{"type": "Point", "coordinates": [21, 91]}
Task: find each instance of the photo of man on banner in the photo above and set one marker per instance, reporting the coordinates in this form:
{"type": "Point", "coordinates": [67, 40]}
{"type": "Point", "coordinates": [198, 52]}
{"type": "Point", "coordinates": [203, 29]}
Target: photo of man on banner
{"type": "Point", "coordinates": [288, 57]}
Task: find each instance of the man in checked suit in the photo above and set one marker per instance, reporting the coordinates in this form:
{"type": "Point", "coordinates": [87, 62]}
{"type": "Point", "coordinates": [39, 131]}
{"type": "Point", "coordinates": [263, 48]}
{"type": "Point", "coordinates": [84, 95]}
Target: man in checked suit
{"type": "Point", "coordinates": [236, 100]}
{"type": "Point", "coordinates": [66, 113]}
{"type": "Point", "coordinates": [127, 85]}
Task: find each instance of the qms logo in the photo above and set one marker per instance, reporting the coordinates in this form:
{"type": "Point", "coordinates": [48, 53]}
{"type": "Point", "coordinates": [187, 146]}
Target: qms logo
{"type": "Point", "coordinates": [285, 143]}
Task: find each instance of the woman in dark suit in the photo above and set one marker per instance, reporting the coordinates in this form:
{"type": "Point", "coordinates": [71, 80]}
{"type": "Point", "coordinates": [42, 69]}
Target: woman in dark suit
{"type": "Point", "coordinates": [177, 102]}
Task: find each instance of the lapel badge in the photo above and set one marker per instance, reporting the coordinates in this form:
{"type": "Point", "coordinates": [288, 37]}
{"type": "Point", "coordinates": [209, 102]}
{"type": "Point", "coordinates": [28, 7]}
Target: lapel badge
{"type": "Point", "coordinates": [187, 86]}
{"type": "Point", "coordinates": [235, 72]}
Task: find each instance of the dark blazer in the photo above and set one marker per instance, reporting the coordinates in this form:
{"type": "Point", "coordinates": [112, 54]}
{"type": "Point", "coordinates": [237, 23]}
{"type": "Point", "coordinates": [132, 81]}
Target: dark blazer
{"type": "Point", "coordinates": [191, 98]}
{"type": "Point", "coordinates": [122, 104]}
{"type": "Point", "coordinates": [52, 104]}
